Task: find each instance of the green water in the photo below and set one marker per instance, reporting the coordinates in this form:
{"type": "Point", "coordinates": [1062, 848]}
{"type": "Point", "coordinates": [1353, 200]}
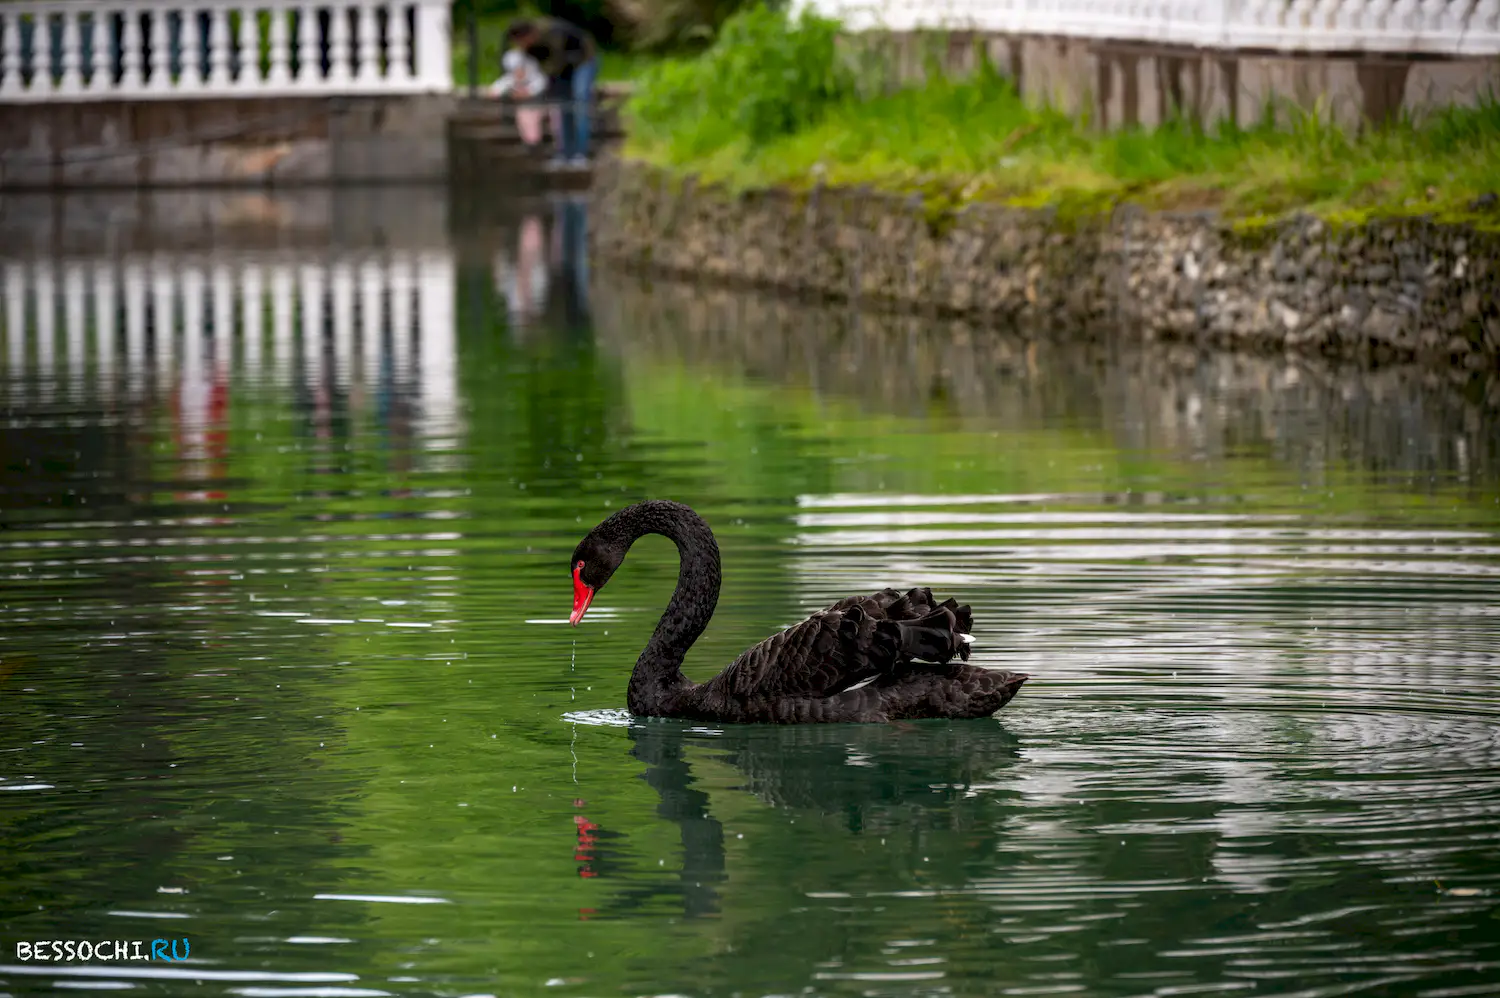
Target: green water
{"type": "Point", "coordinates": [284, 667]}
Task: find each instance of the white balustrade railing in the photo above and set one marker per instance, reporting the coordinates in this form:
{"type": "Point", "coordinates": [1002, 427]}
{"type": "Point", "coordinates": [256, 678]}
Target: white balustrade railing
{"type": "Point", "coordinates": [148, 49]}
{"type": "Point", "coordinates": [384, 324]}
{"type": "Point", "coordinates": [1429, 27]}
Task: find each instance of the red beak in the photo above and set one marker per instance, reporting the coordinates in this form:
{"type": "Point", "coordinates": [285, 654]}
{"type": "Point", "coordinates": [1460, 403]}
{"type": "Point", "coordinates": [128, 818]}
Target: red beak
{"type": "Point", "coordinates": [583, 595]}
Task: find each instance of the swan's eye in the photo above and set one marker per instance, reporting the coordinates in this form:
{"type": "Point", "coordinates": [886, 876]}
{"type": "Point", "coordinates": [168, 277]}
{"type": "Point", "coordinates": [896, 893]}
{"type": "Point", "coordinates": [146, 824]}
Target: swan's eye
{"type": "Point", "coordinates": [579, 566]}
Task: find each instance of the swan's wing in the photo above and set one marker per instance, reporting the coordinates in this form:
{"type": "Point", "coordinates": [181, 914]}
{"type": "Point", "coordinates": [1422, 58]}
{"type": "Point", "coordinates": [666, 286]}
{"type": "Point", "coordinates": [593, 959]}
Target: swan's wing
{"type": "Point", "coordinates": [856, 639]}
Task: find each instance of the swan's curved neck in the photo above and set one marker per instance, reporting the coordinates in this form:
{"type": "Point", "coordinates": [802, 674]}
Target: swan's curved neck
{"type": "Point", "coordinates": [659, 669]}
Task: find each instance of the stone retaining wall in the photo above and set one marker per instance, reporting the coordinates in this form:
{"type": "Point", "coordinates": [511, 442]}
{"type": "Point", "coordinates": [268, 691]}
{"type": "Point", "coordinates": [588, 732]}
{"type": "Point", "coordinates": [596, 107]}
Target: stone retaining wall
{"type": "Point", "coordinates": [240, 142]}
{"type": "Point", "coordinates": [1387, 290]}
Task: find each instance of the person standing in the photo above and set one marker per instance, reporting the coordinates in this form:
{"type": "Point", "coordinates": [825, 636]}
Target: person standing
{"type": "Point", "coordinates": [570, 57]}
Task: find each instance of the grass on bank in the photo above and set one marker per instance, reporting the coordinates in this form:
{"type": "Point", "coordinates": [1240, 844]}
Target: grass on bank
{"type": "Point", "coordinates": [781, 103]}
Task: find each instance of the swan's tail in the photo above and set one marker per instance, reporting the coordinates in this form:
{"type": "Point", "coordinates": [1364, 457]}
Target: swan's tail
{"type": "Point", "coordinates": [937, 637]}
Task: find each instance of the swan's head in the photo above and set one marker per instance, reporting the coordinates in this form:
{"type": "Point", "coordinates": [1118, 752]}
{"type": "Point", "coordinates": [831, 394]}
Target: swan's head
{"type": "Point", "coordinates": [594, 561]}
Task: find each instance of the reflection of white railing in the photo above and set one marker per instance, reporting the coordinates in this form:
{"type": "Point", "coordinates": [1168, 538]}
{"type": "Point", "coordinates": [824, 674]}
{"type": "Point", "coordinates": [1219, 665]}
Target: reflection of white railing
{"type": "Point", "coordinates": [381, 322]}
{"type": "Point", "coordinates": [1435, 27]}
{"type": "Point", "coordinates": [142, 49]}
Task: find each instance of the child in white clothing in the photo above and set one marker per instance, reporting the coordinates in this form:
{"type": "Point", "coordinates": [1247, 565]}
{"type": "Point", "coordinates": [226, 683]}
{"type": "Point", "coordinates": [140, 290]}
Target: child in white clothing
{"type": "Point", "coordinates": [525, 80]}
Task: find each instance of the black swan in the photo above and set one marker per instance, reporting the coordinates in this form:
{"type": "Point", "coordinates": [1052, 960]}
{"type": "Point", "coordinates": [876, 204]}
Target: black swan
{"type": "Point", "coordinates": [883, 657]}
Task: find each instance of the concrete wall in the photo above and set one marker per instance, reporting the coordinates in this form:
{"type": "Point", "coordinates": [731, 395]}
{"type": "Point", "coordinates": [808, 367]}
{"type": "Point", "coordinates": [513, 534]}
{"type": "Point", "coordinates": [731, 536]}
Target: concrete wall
{"type": "Point", "coordinates": [242, 142]}
{"type": "Point", "coordinates": [1118, 84]}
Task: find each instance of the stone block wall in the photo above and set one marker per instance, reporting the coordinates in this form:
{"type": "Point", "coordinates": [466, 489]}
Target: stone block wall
{"type": "Point", "coordinates": [1385, 290]}
{"type": "Point", "coordinates": [234, 142]}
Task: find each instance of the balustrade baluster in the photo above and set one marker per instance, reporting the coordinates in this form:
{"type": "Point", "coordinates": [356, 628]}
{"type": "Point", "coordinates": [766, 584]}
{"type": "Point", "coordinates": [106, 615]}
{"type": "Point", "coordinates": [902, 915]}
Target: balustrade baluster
{"type": "Point", "coordinates": [309, 60]}
{"type": "Point", "coordinates": [11, 80]}
{"type": "Point", "coordinates": [246, 54]}
{"type": "Point", "coordinates": [1348, 19]}
{"type": "Point", "coordinates": [1431, 26]}
{"type": "Point", "coordinates": [1402, 23]}
{"type": "Point", "coordinates": [1452, 20]}
{"type": "Point", "coordinates": [1324, 20]}
{"type": "Point", "coordinates": [161, 71]}
{"type": "Point", "coordinates": [338, 45]}
{"type": "Point", "coordinates": [218, 49]}
{"type": "Point", "coordinates": [131, 43]}
{"type": "Point", "coordinates": [1377, 20]}
{"type": "Point", "coordinates": [70, 80]}
{"type": "Point", "coordinates": [96, 53]}
{"type": "Point", "coordinates": [398, 44]}
{"type": "Point", "coordinates": [280, 72]}
{"type": "Point", "coordinates": [369, 45]}
{"type": "Point", "coordinates": [1202, 23]}
{"type": "Point", "coordinates": [192, 37]}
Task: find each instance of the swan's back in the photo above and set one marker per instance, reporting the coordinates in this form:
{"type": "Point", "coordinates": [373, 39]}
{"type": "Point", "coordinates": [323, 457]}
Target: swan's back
{"type": "Point", "coordinates": [876, 657]}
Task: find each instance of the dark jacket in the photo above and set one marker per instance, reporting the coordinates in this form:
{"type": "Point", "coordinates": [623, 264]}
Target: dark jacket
{"type": "Point", "coordinates": [561, 47]}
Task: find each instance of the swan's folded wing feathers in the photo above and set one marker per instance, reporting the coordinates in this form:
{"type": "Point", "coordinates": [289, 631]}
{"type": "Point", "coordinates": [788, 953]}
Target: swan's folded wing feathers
{"type": "Point", "coordinates": [806, 660]}
{"type": "Point", "coordinates": [851, 642]}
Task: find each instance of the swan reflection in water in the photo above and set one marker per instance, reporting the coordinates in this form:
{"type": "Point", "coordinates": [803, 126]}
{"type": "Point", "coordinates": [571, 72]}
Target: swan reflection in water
{"type": "Point", "coordinates": [907, 781]}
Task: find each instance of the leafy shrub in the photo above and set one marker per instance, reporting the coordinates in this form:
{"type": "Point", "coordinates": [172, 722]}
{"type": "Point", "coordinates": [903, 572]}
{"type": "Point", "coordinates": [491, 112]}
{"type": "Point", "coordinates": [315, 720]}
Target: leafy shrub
{"type": "Point", "coordinates": [766, 76]}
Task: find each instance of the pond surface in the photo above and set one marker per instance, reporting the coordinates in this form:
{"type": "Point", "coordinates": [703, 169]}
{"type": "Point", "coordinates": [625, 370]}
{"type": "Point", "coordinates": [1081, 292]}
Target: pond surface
{"type": "Point", "coordinates": [285, 673]}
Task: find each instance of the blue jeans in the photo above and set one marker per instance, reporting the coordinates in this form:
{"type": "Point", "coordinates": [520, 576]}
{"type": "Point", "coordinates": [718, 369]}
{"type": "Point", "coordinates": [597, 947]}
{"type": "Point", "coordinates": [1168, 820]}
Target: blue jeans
{"type": "Point", "coordinates": [578, 108]}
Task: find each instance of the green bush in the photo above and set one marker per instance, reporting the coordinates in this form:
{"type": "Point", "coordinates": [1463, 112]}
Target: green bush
{"type": "Point", "coordinates": [765, 77]}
